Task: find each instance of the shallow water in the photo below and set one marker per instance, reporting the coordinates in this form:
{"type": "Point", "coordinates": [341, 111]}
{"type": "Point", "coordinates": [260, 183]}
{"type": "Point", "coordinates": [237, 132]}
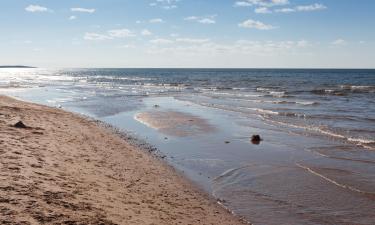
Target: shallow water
{"type": "Point", "coordinates": [316, 162]}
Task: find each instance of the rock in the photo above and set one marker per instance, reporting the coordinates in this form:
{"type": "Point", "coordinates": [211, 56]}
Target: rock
{"type": "Point", "coordinates": [156, 106]}
{"type": "Point", "coordinates": [220, 200]}
{"type": "Point", "coordinates": [19, 124]}
{"type": "Point", "coordinates": [227, 142]}
{"type": "Point", "coordinates": [255, 139]}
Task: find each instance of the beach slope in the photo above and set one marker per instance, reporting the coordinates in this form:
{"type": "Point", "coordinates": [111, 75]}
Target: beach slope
{"type": "Point", "coordinates": [64, 169]}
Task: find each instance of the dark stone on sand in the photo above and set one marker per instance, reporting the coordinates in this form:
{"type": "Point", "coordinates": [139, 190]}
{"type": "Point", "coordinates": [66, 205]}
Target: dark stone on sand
{"type": "Point", "coordinates": [255, 139]}
{"type": "Point", "coordinates": [19, 124]}
{"type": "Point", "coordinates": [152, 149]}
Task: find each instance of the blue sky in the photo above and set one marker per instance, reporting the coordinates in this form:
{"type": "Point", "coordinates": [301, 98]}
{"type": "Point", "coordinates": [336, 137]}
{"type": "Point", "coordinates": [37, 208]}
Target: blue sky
{"type": "Point", "coordinates": [188, 33]}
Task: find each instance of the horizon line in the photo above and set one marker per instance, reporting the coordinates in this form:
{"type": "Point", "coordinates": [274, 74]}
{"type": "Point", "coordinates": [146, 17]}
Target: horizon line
{"type": "Point", "coordinates": [265, 68]}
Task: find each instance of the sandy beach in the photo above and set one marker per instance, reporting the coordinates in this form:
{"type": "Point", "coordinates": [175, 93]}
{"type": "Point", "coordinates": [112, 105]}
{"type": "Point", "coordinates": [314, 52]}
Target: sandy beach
{"type": "Point", "coordinates": [65, 169]}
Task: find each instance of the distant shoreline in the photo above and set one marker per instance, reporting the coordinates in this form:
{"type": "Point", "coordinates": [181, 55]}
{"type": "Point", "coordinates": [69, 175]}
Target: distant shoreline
{"type": "Point", "coordinates": [195, 68]}
{"type": "Point", "coordinates": [16, 66]}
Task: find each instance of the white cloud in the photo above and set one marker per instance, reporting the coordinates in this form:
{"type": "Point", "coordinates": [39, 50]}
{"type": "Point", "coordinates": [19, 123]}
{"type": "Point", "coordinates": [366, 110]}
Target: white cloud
{"type": "Point", "coordinates": [202, 19]}
{"type": "Point", "coordinates": [312, 7]}
{"type": "Point", "coordinates": [256, 25]}
{"type": "Point", "coordinates": [240, 47]}
{"type": "Point", "coordinates": [83, 10]}
{"type": "Point", "coordinates": [126, 46]}
{"type": "Point", "coordinates": [96, 37]}
{"type": "Point", "coordinates": [110, 34]}
{"type": "Point", "coordinates": [161, 41]}
{"type": "Point", "coordinates": [285, 10]}
{"type": "Point", "coordinates": [263, 6]}
{"type": "Point", "coordinates": [191, 18]}
{"type": "Point", "coordinates": [37, 49]}
{"type": "Point", "coordinates": [36, 8]}
{"type": "Point", "coordinates": [192, 40]}
{"type": "Point", "coordinates": [302, 43]}
{"type": "Point", "coordinates": [165, 4]}
{"type": "Point", "coordinates": [206, 21]}
{"type": "Point", "coordinates": [156, 20]}
{"type": "Point", "coordinates": [242, 4]}
{"type": "Point", "coordinates": [169, 7]}
{"type": "Point", "coordinates": [72, 17]}
{"type": "Point", "coordinates": [268, 47]}
{"type": "Point", "coordinates": [25, 42]}
{"type": "Point", "coordinates": [146, 32]}
{"type": "Point", "coordinates": [302, 8]}
{"type": "Point", "coordinates": [339, 42]}
{"type": "Point", "coordinates": [262, 3]}
{"type": "Point", "coordinates": [262, 10]}
{"type": "Point", "coordinates": [120, 33]}
{"type": "Point", "coordinates": [180, 41]}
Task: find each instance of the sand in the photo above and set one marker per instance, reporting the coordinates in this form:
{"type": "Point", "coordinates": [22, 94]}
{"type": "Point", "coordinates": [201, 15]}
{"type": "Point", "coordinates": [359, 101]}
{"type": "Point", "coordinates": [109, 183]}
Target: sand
{"type": "Point", "coordinates": [65, 169]}
{"type": "Point", "coordinates": [175, 123]}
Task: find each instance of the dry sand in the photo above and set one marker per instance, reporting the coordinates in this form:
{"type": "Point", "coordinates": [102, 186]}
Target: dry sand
{"type": "Point", "coordinates": [65, 169]}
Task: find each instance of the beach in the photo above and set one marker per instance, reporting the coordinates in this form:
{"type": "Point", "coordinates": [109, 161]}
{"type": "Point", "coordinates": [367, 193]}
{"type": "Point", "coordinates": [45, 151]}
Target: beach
{"type": "Point", "coordinates": [61, 168]}
{"type": "Point", "coordinates": [314, 163]}
{"type": "Point", "coordinates": [156, 112]}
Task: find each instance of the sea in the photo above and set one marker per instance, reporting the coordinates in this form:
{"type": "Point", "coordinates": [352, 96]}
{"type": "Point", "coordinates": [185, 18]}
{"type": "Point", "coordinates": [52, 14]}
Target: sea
{"type": "Point", "coordinates": [315, 163]}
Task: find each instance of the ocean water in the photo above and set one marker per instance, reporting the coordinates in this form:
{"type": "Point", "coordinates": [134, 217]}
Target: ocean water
{"type": "Point", "coordinates": [315, 165]}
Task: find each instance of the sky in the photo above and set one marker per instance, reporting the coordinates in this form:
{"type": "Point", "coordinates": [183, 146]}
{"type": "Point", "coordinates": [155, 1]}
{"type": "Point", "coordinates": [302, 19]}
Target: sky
{"type": "Point", "coordinates": [188, 33]}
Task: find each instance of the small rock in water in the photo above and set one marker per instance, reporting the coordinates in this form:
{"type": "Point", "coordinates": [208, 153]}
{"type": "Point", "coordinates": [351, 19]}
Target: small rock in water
{"type": "Point", "coordinates": [227, 142]}
{"type": "Point", "coordinates": [255, 139]}
{"type": "Point", "coordinates": [19, 124]}
{"type": "Point", "coordinates": [156, 106]}
{"type": "Point", "coordinates": [165, 138]}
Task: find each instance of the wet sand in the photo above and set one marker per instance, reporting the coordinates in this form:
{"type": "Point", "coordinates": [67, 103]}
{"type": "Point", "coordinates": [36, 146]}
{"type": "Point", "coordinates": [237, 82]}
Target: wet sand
{"type": "Point", "coordinates": [175, 123]}
{"type": "Point", "coordinates": [64, 169]}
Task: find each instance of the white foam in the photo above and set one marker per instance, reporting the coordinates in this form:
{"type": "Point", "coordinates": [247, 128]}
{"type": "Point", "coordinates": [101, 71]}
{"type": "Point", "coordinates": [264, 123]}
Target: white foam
{"type": "Point", "coordinates": [277, 93]}
{"type": "Point", "coordinates": [362, 140]}
{"type": "Point", "coordinates": [306, 103]}
{"type": "Point", "coordinates": [333, 181]}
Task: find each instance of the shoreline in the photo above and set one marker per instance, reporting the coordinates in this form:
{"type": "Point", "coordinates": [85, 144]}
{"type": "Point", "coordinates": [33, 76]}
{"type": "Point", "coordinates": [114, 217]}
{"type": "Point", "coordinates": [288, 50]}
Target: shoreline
{"type": "Point", "coordinates": [65, 168]}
